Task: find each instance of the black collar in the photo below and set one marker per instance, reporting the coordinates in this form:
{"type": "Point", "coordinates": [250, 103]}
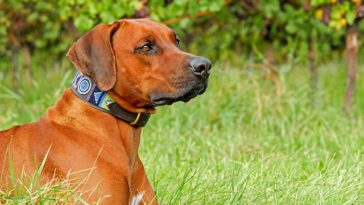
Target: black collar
{"type": "Point", "coordinates": [86, 89]}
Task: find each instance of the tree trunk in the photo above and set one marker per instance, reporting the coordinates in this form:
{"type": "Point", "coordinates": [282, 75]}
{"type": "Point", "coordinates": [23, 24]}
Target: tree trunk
{"type": "Point", "coordinates": [27, 62]}
{"type": "Point", "coordinates": [143, 11]}
{"type": "Point", "coordinates": [313, 70]}
{"type": "Point", "coordinates": [14, 68]}
{"type": "Point", "coordinates": [351, 60]}
{"type": "Point", "coordinates": [271, 69]}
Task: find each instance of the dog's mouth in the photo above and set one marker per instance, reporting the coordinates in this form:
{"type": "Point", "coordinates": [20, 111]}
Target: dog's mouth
{"type": "Point", "coordinates": [185, 95]}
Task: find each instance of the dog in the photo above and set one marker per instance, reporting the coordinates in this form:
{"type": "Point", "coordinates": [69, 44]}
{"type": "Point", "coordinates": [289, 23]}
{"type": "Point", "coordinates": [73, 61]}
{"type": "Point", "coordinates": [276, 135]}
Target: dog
{"type": "Point", "coordinates": [125, 70]}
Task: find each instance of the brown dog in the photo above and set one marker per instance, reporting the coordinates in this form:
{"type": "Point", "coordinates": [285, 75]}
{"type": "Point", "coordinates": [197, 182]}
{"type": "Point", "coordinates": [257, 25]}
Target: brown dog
{"type": "Point", "coordinates": [138, 65]}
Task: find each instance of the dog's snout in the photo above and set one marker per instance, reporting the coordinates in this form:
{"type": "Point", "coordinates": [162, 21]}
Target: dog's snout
{"type": "Point", "coordinates": [200, 66]}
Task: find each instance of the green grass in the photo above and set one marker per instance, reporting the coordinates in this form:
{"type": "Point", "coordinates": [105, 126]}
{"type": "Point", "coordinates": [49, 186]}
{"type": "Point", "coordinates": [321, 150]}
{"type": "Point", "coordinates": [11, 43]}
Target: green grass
{"type": "Point", "coordinates": [240, 142]}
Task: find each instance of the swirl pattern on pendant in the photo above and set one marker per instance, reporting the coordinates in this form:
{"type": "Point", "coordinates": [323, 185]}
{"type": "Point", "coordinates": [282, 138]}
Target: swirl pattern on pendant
{"type": "Point", "coordinates": [85, 85]}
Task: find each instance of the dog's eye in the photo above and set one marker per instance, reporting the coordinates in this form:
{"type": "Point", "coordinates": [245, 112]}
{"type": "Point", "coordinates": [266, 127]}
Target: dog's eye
{"type": "Point", "coordinates": [147, 47]}
{"type": "Point", "coordinates": [178, 41]}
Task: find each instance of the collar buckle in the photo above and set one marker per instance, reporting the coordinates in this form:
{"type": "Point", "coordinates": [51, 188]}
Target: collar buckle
{"type": "Point", "coordinates": [136, 119]}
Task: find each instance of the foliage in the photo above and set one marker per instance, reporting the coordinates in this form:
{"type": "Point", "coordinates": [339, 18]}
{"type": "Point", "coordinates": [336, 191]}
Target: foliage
{"type": "Point", "coordinates": [338, 14]}
{"type": "Point", "coordinates": [221, 29]}
{"type": "Point", "coordinates": [50, 24]}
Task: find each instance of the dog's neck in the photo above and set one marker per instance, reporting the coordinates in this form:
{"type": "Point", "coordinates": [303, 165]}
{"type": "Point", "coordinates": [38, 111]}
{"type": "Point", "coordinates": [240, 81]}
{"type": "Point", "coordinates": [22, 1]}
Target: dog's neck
{"type": "Point", "coordinates": [86, 89]}
{"type": "Point", "coordinates": [74, 114]}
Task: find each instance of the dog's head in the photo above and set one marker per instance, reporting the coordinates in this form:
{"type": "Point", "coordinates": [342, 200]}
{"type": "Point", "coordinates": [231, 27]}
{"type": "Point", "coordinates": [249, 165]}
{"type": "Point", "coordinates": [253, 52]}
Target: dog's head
{"type": "Point", "coordinates": [140, 63]}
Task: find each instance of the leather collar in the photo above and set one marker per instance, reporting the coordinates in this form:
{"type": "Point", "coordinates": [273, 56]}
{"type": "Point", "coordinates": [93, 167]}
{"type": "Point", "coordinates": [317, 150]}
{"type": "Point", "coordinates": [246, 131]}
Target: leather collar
{"type": "Point", "coordinates": [86, 89]}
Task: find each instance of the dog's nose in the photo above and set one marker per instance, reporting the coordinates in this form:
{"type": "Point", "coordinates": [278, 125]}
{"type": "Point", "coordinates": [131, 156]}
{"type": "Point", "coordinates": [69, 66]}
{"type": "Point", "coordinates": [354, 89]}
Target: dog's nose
{"type": "Point", "coordinates": [200, 66]}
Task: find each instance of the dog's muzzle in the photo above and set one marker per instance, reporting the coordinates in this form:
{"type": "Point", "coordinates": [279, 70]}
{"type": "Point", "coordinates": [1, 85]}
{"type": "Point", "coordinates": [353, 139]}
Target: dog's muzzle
{"type": "Point", "coordinates": [200, 68]}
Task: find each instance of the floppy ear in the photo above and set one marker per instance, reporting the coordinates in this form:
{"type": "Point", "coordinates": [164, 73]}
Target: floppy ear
{"type": "Point", "coordinates": [93, 55]}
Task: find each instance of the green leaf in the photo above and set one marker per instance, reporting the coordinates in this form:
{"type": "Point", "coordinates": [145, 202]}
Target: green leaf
{"type": "Point", "coordinates": [350, 16]}
{"type": "Point", "coordinates": [83, 22]}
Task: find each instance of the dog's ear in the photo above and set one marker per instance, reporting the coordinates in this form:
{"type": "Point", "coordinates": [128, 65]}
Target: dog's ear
{"type": "Point", "coordinates": [94, 56]}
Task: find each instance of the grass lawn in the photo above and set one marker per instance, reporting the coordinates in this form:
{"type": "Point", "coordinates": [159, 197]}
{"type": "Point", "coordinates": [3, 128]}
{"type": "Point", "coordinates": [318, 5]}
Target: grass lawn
{"type": "Point", "coordinates": [243, 142]}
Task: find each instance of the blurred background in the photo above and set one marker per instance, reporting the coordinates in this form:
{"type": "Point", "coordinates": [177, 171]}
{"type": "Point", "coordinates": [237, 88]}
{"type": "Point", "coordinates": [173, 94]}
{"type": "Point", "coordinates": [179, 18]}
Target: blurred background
{"type": "Point", "coordinates": [282, 120]}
